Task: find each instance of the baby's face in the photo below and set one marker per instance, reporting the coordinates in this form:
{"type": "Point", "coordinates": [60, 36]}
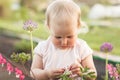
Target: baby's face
{"type": "Point", "coordinates": [64, 36]}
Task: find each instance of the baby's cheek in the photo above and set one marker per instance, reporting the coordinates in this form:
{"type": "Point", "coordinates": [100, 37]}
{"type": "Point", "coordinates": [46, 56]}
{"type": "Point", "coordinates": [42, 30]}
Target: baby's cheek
{"type": "Point", "coordinates": [71, 43]}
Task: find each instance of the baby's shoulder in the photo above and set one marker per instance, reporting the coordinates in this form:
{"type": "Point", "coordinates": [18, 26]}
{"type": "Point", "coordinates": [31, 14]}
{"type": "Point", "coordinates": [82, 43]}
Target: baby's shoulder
{"type": "Point", "coordinates": [43, 44]}
{"type": "Point", "coordinates": [41, 47]}
{"type": "Point", "coordinates": [80, 42]}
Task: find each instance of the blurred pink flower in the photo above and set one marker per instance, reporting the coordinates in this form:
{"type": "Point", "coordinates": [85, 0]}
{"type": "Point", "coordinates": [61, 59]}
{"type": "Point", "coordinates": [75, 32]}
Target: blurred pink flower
{"type": "Point", "coordinates": [22, 77]}
{"type": "Point", "coordinates": [106, 47]}
{"type": "Point", "coordinates": [9, 68]}
{"type": "Point", "coordinates": [29, 25]}
{"type": "Point", "coordinates": [2, 60]}
{"type": "Point", "coordinates": [112, 71]}
{"type": "Point", "coordinates": [18, 72]}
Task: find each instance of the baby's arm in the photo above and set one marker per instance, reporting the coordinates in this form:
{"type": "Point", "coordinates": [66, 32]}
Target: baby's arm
{"type": "Point", "coordinates": [39, 73]}
{"type": "Point", "coordinates": [37, 68]}
{"type": "Point", "coordinates": [88, 62]}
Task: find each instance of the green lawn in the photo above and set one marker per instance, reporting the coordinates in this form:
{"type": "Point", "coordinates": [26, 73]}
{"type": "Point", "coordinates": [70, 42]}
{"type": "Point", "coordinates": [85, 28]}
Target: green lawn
{"type": "Point", "coordinates": [99, 35]}
{"type": "Point", "coordinates": [95, 37]}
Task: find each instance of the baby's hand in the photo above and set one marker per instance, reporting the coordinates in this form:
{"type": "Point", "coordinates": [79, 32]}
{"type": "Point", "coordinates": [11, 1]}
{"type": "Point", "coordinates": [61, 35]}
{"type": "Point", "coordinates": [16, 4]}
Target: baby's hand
{"type": "Point", "coordinates": [75, 68]}
{"type": "Point", "coordinates": [55, 73]}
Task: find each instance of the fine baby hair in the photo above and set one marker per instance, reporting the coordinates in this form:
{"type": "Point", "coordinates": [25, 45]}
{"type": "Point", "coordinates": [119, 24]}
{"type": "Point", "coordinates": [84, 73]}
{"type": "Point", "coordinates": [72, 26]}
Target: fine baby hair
{"type": "Point", "coordinates": [62, 12]}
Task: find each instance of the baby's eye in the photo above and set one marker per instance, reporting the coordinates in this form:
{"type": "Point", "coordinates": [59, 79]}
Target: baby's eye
{"type": "Point", "coordinates": [69, 36]}
{"type": "Point", "coordinates": [57, 37]}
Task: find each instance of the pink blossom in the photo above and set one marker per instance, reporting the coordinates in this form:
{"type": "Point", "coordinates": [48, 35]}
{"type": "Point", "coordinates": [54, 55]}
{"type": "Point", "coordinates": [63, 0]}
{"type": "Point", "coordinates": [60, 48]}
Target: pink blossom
{"type": "Point", "coordinates": [109, 67]}
{"type": "Point", "coordinates": [106, 47]}
{"type": "Point", "coordinates": [112, 71]}
{"type": "Point", "coordinates": [2, 60]}
{"type": "Point", "coordinates": [22, 77]}
{"type": "Point", "coordinates": [18, 72]}
{"type": "Point", "coordinates": [29, 25]}
{"type": "Point", "coordinates": [9, 68]}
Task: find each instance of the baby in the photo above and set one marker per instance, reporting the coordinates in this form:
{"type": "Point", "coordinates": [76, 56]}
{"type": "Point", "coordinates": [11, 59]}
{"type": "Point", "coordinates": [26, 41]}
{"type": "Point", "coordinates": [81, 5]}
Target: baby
{"type": "Point", "coordinates": [63, 48]}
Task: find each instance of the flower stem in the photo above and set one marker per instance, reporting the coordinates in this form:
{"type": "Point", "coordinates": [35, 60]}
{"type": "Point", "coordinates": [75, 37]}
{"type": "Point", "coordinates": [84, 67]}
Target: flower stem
{"type": "Point", "coordinates": [106, 77]}
{"type": "Point", "coordinates": [25, 71]}
{"type": "Point", "coordinates": [31, 41]}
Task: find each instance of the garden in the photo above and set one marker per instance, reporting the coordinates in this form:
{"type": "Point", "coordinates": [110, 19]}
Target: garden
{"type": "Point", "coordinates": [17, 42]}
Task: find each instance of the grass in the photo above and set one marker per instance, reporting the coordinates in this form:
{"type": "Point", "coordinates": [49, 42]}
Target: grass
{"type": "Point", "coordinates": [95, 37]}
{"type": "Point", "coordinates": [99, 35]}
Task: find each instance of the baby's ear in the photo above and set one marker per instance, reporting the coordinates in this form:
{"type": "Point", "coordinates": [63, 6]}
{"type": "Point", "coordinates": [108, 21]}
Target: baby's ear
{"type": "Point", "coordinates": [47, 25]}
{"type": "Point", "coordinates": [79, 23]}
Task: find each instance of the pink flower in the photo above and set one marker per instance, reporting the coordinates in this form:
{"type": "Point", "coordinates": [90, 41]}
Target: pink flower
{"type": "Point", "coordinates": [18, 72]}
{"type": "Point", "coordinates": [29, 25]}
{"type": "Point", "coordinates": [2, 60]}
{"type": "Point", "coordinates": [112, 71]}
{"type": "Point", "coordinates": [106, 47]}
{"type": "Point", "coordinates": [9, 68]}
{"type": "Point", "coordinates": [22, 77]}
{"type": "Point", "coordinates": [109, 67]}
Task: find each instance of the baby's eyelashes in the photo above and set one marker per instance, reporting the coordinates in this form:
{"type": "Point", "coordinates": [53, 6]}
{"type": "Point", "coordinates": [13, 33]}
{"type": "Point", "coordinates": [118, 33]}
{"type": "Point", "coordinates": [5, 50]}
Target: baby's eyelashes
{"type": "Point", "coordinates": [58, 37]}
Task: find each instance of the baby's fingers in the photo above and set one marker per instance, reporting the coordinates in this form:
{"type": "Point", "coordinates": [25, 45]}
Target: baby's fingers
{"type": "Point", "coordinates": [55, 73]}
{"type": "Point", "coordinates": [76, 71]}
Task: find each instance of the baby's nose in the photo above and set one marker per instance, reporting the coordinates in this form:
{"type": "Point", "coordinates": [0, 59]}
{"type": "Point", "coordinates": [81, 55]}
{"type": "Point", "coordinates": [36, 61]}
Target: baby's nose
{"type": "Point", "coordinates": [64, 41]}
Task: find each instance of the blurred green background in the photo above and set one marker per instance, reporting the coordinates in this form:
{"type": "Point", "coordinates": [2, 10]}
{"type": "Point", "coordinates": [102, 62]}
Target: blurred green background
{"type": "Point", "coordinates": [14, 12]}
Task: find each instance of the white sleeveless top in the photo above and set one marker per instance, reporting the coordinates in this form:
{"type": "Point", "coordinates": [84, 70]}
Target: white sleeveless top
{"type": "Point", "coordinates": [57, 58]}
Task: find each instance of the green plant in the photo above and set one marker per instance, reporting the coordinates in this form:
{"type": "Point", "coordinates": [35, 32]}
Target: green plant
{"type": "Point", "coordinates": [65, 75]}
{"type": "Point", "coordinates": [85, 74]}
{"type": "Point", "coordinates": [20, 57]}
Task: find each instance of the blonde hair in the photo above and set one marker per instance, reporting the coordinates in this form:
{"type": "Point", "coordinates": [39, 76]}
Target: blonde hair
{"type": "Point", "coordinates": [62, 10]}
